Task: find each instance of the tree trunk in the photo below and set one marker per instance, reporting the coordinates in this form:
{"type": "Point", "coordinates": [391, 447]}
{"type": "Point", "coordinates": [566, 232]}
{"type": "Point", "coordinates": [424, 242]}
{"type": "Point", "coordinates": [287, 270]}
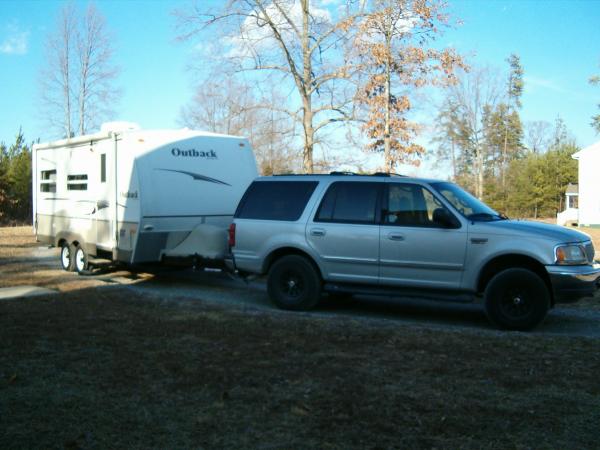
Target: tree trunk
{"type": "Point", "coordinates": [67, 88]}
{"type": "Point", "coordinates": [387, 150]}
{"type": "Point", "coordinates": [307, 118]}
{"type": "Point", "coordinates": [479, 164]}
{"type": "Point", "coordinates": [82, 94]}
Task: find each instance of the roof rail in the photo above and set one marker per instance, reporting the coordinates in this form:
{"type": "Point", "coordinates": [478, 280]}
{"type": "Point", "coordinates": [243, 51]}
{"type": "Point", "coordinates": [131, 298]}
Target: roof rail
{"type": "Point", "coordinates": [339, 173]}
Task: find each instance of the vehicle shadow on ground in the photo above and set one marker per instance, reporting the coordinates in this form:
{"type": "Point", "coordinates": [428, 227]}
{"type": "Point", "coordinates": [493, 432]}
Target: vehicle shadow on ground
{"type": "Point", "coordinates": [413, 310]}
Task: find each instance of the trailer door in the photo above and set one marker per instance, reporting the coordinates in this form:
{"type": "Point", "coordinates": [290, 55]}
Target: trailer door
{"type": "Point", "coordinates": [102, 212]}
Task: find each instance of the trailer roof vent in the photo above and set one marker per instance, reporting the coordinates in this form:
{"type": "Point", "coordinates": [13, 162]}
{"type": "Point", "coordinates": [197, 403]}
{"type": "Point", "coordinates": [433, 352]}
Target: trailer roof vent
{"type": "Point", "coordinates": [119, 126]}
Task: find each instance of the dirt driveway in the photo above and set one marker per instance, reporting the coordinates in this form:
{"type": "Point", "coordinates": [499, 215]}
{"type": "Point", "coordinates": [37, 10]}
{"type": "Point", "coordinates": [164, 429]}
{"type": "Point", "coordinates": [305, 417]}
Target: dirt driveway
{"type": "Point", "coordinates": [24, 262]}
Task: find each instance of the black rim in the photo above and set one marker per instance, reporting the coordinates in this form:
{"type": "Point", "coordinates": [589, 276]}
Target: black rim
{"type": "Point", "coordinates": [291, 284]}
{"type": "Point", "coordinates": [516, 303]}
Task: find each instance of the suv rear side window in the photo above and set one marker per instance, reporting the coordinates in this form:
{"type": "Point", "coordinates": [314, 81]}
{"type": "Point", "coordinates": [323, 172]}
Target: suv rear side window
{"type": "Point", "coordinates": [275, 200]}
{"type": "Point", "coordinates": [350, 202]}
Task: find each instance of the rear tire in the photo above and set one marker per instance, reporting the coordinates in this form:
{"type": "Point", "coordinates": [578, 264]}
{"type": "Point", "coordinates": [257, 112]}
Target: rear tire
{"type": "Point", "coordinates": [516, 299]}
{"type": "Point", "coordinates": [67, 256]}
{"type": "Point", "coordinates": [294, 284]}
{"type": "Point", "coordinates": [80, 260]}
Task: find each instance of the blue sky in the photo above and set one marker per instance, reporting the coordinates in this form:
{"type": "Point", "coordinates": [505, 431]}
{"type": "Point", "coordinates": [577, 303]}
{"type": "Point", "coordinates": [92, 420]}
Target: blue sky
{"type": "Point", "coordinates": [558, 41]}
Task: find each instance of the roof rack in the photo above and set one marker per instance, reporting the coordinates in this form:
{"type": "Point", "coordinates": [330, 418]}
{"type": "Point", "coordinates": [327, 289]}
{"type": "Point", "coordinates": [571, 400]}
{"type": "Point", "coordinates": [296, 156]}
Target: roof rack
{"type": "Point", "coordinates": [376, 174]}
{"type": "Point", "coordinates": [340, 173]}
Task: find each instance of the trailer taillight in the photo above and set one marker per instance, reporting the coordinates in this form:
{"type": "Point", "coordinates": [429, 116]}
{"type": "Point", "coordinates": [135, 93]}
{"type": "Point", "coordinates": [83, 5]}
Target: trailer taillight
{"type": "Point", "coordinates": [231, 240]}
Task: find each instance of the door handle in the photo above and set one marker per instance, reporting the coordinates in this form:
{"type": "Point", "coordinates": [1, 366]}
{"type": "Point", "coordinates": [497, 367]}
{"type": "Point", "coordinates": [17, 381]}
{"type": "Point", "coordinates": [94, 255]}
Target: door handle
{"type": "Point", "coordinates": [148, 227]}
{"type": "Point", "coordinates": [395, 237]}
{"type": "Point", "coordinates": [317, 232]}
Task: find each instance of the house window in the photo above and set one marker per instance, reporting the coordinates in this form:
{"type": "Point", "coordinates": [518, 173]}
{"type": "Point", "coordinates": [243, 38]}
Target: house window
{"type": "Point", "coordinates": [48, 181]}
{"type": "Point", "coordinates": [103, 168]}
{"type": "Point", "coordinates": [77, 182]}
{"type": "Point", "coordinates": [573, 201]}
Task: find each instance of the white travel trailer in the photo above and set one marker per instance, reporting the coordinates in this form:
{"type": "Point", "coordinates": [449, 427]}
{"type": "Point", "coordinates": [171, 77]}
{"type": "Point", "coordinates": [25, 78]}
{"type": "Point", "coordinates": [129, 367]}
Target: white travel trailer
{"type": "Point", "coordinates": [136, 196]}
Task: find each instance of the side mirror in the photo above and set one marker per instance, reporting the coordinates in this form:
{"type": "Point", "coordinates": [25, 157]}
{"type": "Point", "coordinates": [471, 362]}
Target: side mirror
{"type": "Point", "coordinates": [442, 217]}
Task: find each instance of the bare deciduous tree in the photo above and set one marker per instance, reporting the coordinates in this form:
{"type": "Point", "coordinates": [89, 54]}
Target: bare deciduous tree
{"type": "Point", "coordinates": [474, 96]}
{"type": "Point", "coordinates": [76, 82]}
{"type": "Point", "coordinates": [96, 74]}
{"type": "Point", "coordinates": [224, 105]}
{"type": "Point", "coordinates": [284, 41]}
{"type": "Point", "coordinates": [538, 135]}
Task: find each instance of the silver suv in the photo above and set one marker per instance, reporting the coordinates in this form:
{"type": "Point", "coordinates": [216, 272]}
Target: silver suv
{"type": "Point", "coordinates": [378, 234]}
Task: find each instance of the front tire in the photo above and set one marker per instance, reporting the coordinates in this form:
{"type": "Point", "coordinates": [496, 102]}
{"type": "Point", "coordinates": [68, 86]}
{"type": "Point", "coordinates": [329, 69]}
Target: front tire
{"type": "Point", "coordinates": [81, 259]}
{"type": "Point", "coordinates": [294, 284]}
{"type": "Point", "coordinates": [516, 299]}
{"type": "Point", "coordinates": [67, 257]}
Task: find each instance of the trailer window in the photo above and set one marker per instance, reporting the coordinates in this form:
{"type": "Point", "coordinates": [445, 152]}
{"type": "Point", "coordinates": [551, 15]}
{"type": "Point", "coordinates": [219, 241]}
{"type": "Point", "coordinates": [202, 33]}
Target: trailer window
{"type": "Point", "coordinates": [48, 181]}
{"type": "Point", "coordinates": [103, 168]}
{"type": "Point", "coordinates": [77, 182]}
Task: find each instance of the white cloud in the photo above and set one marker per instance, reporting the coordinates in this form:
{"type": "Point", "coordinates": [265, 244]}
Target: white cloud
{"type": "Point", "coordinates": [15, 41]}
{"type": "Point", "coordinates": [545, 83]}
{"type": "Point", "coordinates": [254, 37]}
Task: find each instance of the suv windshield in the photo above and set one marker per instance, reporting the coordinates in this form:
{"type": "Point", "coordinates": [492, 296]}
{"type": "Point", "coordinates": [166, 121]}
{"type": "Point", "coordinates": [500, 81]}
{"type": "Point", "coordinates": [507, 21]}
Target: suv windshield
{"type": "Point", "coordinates": [466, 204]}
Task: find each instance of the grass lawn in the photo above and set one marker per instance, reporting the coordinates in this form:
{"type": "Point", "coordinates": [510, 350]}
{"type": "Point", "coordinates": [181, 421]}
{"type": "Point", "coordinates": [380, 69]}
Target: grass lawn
{"type": "Point", "coordinates": [108, 367]}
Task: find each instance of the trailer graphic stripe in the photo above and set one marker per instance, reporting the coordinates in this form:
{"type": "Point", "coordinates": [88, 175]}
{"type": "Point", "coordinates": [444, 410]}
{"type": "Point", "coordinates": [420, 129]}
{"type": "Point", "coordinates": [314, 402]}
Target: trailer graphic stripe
{"type": "Point", "coordinates": [196, 176]}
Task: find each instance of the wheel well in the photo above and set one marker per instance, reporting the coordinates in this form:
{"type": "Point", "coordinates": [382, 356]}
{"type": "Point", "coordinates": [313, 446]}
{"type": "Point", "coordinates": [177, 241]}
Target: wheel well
{"type": "Point", "coordinates": [61, 241]}
{"type": "Point", "coordinates": [285, 251]}
{"type": "Point", "coordinates": [513, 261]}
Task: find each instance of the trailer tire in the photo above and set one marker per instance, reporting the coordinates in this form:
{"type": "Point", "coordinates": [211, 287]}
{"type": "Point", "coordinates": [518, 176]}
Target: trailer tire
{"type": "Point", "coordinates": [80, 260]}
{"type": "Point", "coordinates": [67, 257]}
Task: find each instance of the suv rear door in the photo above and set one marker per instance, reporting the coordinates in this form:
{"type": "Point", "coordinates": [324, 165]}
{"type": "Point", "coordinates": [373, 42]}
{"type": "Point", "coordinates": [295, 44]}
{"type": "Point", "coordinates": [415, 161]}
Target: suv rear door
{"type": "Point", "coordinates": [345, 231]}
{"type": "Point", "coordinates": [415, 250]}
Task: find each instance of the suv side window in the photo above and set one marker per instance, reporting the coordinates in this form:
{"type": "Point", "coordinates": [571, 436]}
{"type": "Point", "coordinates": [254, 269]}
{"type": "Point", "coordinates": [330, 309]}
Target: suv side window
{"type": "Point", "coordinates": [410, 205]}
{"type": "Point", "coordinates": [350, 202]}
{"type": "Point", "coordinates": [275, 200]}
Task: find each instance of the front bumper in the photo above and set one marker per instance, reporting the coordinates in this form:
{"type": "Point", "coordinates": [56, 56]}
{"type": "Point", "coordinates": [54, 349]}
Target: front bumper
{"type": "Point", "coordinates": [571, 283]}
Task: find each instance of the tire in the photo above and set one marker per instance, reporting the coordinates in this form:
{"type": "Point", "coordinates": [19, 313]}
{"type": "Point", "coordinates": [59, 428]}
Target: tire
{"type": "Point", "coordinates": [516, 299]}
{"type": "Point", "coordinates": [294, 284]}
{"type": "Point", "coordinates": [80, 260]}
{"type": "Point", "coordinates": [67, 259]}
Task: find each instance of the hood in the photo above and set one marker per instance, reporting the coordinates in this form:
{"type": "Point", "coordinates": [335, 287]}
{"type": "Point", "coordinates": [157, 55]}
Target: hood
{"type": "Point", "coordinates": [533, 229]}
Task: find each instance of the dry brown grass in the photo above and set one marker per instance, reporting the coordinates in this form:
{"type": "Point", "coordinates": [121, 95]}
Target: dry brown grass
{"type": "Point", "coordinates": [108, 368]}
{"type": "Point", "coordinates": [595, 235]}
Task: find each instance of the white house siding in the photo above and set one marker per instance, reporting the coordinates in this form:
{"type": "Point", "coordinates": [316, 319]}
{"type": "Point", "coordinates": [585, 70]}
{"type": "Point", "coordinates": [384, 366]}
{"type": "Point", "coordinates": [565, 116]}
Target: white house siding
{"type": "Point", "coordinates": [589, 185]}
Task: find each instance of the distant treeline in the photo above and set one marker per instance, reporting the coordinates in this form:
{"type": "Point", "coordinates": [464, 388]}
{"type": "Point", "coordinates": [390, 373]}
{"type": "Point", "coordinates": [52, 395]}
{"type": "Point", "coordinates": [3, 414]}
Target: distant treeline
{"type": "Point", "coordinates": [15, 182]}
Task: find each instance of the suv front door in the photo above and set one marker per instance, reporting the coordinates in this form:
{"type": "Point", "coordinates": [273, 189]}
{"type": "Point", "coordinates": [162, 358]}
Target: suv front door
{"type": "Point", "coordinates": [415, 249]}
{"type": "Point", "coordinates": [345, 231]}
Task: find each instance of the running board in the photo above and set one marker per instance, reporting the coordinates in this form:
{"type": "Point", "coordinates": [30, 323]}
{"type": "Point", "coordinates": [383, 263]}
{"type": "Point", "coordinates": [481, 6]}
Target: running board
{"type": "Point", "coordinates": [454, 296]}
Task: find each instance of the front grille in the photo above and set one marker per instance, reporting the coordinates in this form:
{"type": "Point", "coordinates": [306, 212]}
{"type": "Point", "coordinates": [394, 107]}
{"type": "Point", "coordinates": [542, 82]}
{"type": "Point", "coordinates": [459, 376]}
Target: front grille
{"type": "Point", "coordinates": [589, 252]}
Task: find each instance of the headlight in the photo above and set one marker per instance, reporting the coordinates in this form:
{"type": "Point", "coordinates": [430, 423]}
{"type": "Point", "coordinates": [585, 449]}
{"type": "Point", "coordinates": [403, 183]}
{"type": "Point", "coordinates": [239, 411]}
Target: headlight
{"type": "Point", "coordinates": [570, 254]}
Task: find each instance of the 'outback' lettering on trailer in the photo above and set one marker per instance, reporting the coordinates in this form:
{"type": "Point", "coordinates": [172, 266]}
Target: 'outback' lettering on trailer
{"type": "Point", "coordinates": [210, 154]}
